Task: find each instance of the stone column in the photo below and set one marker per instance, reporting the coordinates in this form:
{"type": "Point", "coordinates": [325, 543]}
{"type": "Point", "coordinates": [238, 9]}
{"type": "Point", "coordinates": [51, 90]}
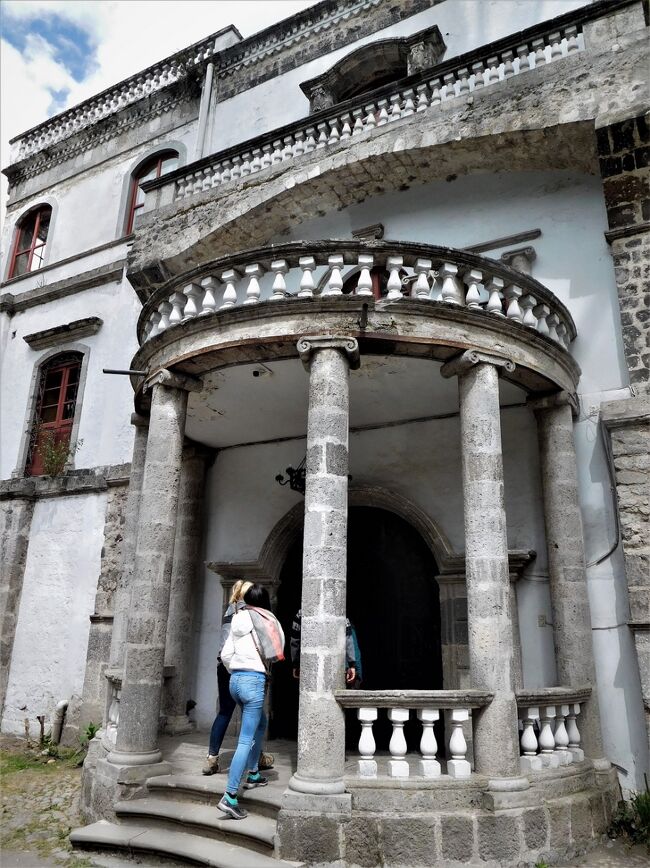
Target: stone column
{"type": "Point", "coordinates": [321, 722]}
{"type": "Point", "coordinates": [144, 653]}
{"type": "Point", "coordinates": [187, 551]}
{"type": "Point", "coordinates": [122, 599]}
{"type": "Point", "coordinates": [490, 634]}
{"type": "Point", "coordinates": [566, 562]}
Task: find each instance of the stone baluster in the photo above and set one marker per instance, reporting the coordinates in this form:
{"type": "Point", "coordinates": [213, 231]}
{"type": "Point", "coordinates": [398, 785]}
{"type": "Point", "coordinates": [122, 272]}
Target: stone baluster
{"type": "Point", "coordinates": [357, 127]}
{"type": "Point", "coordinates": [409, 104]}
{"type": "Point", "coordinates": [279, 267]}
{"type": "Point", "coordinates": [112, 717]}
{"type": "Point", "coordinates": [178, 301]}
{"type": "Point", "coordinates": [478, 71]}
{"type": "Point", "coordinates": [556, 45]}
{"type": "Point", "coordinates": [335, 281]}
{"type": "Point", "coordinates": [364, 284]}
{"type": "Point", "coordinates": [210, 285]}
{"type": "Point", "coordinates": [473, 278]}
{"type": "Point", "coordinates": [538, 46]}
{"type": "Point", "coordinates": [194, 293]}
{"type": "Point", "coordinates": [577, 754]}
{"type": "Point", "coordinates": [395, 111]}
{"type": "Point", "coordinates": [492, 70]}
{"type": "Point", "coordinates": [542, 312]}
{"type": "Point", "coordinates": [423, 97]}
{"type": "Point", "coordinates": [216, 174]}
{"type": "Point", "coordinates": [547, 739]}
{"type": "Point", "coordinates": [287, 151]}
{"type": "Point", "coordinates": [398, 766]}
{"type": "Point", "coordinates": [452, 288]}
{"type": "Point", "coordinates": [530, 761]}
{"type": "Point", "coordinates": [394, 286]}
{"type": "Point", "coordinates": [151, 328]}
{"type": "Point", "coordinates": [561, 737]}
{"type": "Point", "coordinates": [421, 288]}
{"type": "Point", "coordinates": [528, 303]}
{"type": "Point", "coordinates": [507, 58]}
{"type": "Point", "coordinates": [256, 163]}
{"type": "Point", "coordinates": [346, 129]}
{"type": "Point", "coordinates": [323, 130]}
{"type": "Point", "coordinates": [230, 293]}
{"type": "Point", "coordinates": [463, 81]}
{"type": "Point", "coordinates": [512, 295]}
{"type": "Point", "coordinates": [164, 309]}
{"type": "Point", "coordinates": [321, 721]}
{"type": "Point", "coordinates": [449, 90]}
{"type": "Point", "coordinates": [334, 135]}
{"type": "Point", "coordinates": [562, 334]}
{"type": "Point", "coordinates": [523, 53]}
{"type": "Point", "coordinates": [235, 171]}
{"type": "Point", "coordinates": [429, 767]}
{"type": "Point", "coordinates": [276, 157]}
{"type": "Point", "coordinates": [571, 36]}
{"type": "Point", "coordinates": [494, 287]}
{"type": "Point", "coordinates": [370, 120]}
{"type": "Point", "coordinates": [299, 144]}
{"type": "Point", "coordinates": [308, 264]}
{"type": "Point", "coordinates": [552, 321]}
{"type": "Point", "coordinates": [253, 271]}
{"type": "Point", "coordinates": [367, 746]}
{"type": "Point", "coordinates": [458, 766]}
{"type": "Point", "coordinates": [382, 106]}
{"type": "Point", "coordinates": [226, 175]}
{"type": "Point", "coordinates": [266, 154]}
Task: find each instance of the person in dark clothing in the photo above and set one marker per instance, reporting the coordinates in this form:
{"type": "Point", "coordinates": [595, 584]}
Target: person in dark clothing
{"type": "Point", "coordinates": [353, 671]}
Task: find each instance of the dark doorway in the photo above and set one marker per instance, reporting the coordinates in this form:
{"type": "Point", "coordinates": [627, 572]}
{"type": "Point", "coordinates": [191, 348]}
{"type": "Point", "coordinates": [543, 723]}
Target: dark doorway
{"type": "Point", "coordinates": [393, 603]}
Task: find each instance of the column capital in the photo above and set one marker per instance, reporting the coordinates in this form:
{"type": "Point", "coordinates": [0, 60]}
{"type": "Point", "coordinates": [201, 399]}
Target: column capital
{"type": "Point", "coordinates": [520, 259]}
{"type": "Point", "coordinates": [463, 362]}
{"type": "Point", "coordinates": [307, 346]}
{"type": "Point", "coordinates": [551, 402]}
{"type": "Point", "coordinates": [171, 380]}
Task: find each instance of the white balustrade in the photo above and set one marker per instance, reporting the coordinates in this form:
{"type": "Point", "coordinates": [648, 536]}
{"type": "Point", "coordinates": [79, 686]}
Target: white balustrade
{"type": "Point", "coordinates": [550, 737]}
{"type": "Point", "coordinates": [367, 746]}
{"type": "Point", "coordinates": [429, 765]}
{"type": "Point", "coordinates": [431, 281]}
{"type": "Point", "coordinates": [458, 766]}
{"type": "Point", "coordinates": [398, 766]}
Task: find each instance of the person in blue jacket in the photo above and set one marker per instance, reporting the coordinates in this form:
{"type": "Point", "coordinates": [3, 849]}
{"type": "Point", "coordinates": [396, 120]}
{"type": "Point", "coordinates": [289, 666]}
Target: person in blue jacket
{"type": "Point", "coordinates": [353, 670]}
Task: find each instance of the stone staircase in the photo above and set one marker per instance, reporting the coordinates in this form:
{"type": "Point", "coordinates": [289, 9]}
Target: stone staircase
{"type": "Point", "coordinates": [177, 818]}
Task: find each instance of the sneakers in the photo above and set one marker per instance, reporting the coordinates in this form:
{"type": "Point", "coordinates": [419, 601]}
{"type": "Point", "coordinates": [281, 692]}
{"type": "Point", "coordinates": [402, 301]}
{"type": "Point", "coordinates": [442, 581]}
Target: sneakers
{"type": "Point", "coordinates": [266, 761]}
{"type": "Point", "coordinates": [255, 779]}
{"type": "Point", "coordinates": [211, 766]}
{"type": "Point", "coordinates": [231, 807]}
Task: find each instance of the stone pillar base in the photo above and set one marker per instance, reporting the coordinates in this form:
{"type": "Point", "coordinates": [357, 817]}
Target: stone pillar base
{"type": "Point", "coordinates": [179, 724]}
{"type": "Point", "coordinates": [309, 828]}
{"type": "Point", "coordinates": [104, 783]}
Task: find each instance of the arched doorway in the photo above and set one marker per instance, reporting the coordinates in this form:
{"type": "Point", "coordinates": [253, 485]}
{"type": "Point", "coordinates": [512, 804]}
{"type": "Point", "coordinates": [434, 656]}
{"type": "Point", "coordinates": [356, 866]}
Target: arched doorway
{"type": "Point", "coordinates": [393, 602]}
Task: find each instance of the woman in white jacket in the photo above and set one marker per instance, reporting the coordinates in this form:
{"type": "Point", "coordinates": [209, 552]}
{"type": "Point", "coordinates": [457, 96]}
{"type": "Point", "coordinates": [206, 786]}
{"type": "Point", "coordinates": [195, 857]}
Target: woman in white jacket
{"type": "Point", "coordinates": [243, 657]}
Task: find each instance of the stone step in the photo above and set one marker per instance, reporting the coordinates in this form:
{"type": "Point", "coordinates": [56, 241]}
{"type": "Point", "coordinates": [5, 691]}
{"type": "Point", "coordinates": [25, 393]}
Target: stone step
{"type": "Point", "coordinates": [254, 832]}
{"type": "Point", "coordinates": [182, 846]}
{"type": "Point", "coordinates": [208, 790]}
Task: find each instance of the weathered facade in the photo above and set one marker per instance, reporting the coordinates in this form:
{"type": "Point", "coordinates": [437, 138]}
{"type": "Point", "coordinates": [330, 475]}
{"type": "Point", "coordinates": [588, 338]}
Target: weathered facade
{"type": "Point", "coordinates": [407, 243]}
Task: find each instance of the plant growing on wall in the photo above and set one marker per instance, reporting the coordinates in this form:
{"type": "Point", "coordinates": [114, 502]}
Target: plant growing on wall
{"type": "Point", "coordinates": [54, 453]}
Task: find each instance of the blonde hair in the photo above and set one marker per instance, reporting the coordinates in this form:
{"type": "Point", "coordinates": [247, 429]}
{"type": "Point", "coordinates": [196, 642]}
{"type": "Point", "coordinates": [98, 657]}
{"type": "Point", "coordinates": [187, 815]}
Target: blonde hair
{"type": "Point", "coordinates": [239, 589]}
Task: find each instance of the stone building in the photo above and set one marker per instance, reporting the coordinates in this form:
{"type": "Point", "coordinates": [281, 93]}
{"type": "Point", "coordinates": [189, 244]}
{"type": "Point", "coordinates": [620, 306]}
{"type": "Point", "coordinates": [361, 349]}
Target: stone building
{"type": "Point", "coordinates": [396, 254]}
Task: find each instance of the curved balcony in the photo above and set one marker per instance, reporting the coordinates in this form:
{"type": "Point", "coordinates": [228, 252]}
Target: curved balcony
{"type": "Point", "coordinates": [395, 298]}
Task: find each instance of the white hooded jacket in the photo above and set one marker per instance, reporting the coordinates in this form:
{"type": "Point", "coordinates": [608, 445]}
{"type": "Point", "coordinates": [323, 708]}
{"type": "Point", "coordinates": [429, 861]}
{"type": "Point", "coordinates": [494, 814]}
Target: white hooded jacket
{"type": "Point", "coordinates": [239, 650]}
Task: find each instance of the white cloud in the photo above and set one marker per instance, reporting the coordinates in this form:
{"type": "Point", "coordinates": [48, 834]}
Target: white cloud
{"type": "Point", "coordinates": [128, 36]}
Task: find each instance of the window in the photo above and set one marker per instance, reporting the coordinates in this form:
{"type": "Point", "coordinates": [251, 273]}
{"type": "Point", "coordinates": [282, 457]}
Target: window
{"type": "Point", "coordinates": [153, 168]}
{"type": "Point", "coordinates": [56, 401]}
{"type": "Point", "coordinates": [31, 239]}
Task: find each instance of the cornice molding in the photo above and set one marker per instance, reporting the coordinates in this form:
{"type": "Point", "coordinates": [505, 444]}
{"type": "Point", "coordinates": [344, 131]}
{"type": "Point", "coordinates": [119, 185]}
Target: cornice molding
{"type": "Point", "coordinates": [63, 334]}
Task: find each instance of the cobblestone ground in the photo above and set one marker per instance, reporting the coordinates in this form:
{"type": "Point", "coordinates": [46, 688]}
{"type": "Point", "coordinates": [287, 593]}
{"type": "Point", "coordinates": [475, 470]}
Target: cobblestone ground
{"type": "Point", "coordinates": [40, 804]}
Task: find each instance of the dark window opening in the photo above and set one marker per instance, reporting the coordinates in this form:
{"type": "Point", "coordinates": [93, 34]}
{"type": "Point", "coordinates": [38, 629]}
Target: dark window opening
{"type": "Point", "coordinates": [156, 167]}
{"type": "Point", "coordinates": [56, 402]}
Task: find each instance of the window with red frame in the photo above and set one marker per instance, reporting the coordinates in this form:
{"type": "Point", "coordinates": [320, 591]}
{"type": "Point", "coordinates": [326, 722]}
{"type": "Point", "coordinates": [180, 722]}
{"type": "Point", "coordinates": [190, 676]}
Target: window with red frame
{"type": "Point", "coordinates": [56, 402]}
{"type": "Point", "coordinates": [31, 239]}
{"type": "Point", "coordinates": [153, 168]}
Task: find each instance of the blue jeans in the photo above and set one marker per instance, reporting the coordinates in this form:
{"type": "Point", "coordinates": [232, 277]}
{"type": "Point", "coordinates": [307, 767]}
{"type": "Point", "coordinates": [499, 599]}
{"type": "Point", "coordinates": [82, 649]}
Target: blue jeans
{"type": "Point", "coordinates": [226, 708]}
{"type": "Point", "coordinates": [247, 689]}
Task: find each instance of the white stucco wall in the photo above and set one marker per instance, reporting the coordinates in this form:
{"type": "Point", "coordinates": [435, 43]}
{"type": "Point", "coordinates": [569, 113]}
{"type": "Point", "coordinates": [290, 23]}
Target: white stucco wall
{"type": "Point", "coordinates": [107, 401]}
{"type": "Point", "coordinates": [49, 655]}
{"type": "Point", "coordinates": [464, 25]}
